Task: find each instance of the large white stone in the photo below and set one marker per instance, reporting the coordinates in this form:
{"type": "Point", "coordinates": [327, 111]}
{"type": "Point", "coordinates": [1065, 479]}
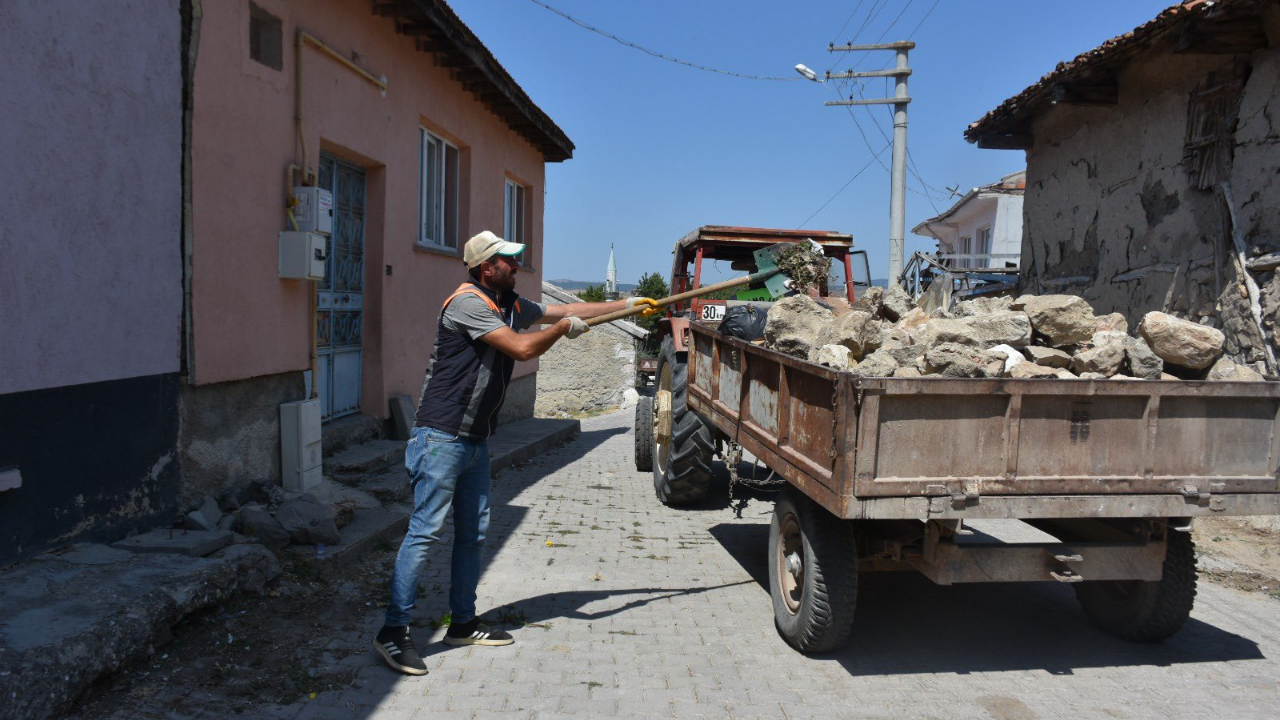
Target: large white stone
{"type": "Point", "coordinates": [835, 356]}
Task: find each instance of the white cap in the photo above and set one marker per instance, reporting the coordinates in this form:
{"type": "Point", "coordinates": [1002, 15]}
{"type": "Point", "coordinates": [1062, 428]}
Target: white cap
{"type": "Point", "coordinates": [485, 245]}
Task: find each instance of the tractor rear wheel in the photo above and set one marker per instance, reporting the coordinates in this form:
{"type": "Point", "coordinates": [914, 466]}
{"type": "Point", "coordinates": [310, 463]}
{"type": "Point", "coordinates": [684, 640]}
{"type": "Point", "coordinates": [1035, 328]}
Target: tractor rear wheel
{"type": "Point", "coordinates": [681, 457]}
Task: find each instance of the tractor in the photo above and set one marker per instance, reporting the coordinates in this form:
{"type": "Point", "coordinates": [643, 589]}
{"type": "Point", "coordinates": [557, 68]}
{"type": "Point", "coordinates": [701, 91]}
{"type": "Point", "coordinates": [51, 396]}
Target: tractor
{"type": "Point", "coordinates": [671, 440]}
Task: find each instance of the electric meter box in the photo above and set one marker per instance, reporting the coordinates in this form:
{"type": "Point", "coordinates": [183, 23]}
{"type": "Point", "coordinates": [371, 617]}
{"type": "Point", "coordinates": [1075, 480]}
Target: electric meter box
{"type": "Point", "coordinates": [314, 209]}
{"type": "Point", "coordinates": [302, 255]}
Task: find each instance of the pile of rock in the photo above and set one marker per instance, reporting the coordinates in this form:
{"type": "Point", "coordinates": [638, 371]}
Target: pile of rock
{"type": "Point", "coordinates": [269, 515]}
{"type": "Point", "coordinates": [884, 334]}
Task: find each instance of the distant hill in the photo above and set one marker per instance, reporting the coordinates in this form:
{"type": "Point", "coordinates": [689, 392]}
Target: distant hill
{"type": "Point", "coordinates": [575, 285]}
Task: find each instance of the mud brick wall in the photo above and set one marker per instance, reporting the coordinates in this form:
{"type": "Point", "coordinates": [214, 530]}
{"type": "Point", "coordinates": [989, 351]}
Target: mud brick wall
{"type": "Point", "coordinates": [1113, 210]}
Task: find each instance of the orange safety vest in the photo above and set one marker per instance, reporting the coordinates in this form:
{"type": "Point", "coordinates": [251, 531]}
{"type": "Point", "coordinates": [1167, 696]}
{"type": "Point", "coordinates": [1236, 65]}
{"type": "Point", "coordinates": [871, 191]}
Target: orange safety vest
{"type": "Point", "coordinates": [466, 288]}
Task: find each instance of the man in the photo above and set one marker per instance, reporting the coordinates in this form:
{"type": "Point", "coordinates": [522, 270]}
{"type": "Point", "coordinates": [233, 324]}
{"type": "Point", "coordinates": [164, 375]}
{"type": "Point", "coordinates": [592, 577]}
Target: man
{"type": "Point", "coordinates": [478, 342]}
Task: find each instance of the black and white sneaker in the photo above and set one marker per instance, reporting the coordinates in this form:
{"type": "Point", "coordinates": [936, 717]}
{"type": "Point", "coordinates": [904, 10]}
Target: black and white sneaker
{"type": "Point", "coordinates": [474, 632]}
{"type": "Point", "coordinates": [395, 645]}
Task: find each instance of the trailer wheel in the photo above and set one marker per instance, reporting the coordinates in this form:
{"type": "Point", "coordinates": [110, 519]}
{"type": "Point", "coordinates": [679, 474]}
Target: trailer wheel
{"type": "Point", "coordinates": [813, 573]}
{"type": "Point", "coordinates": [644, 434]}
{"type": "Point", "coordinates": [1146, 611]}
{"type": "Point", "coordinates": [682, 463]}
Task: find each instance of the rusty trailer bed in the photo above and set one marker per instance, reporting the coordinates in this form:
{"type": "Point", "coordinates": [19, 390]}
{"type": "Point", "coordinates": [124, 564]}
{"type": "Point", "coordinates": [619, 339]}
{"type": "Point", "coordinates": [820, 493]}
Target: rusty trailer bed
{"type": "Point", "coordinates": [938, 448]}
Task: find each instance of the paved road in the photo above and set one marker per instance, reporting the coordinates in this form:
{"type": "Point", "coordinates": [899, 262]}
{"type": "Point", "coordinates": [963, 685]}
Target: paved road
{"type": "Point", "coordinates": [638, 610]}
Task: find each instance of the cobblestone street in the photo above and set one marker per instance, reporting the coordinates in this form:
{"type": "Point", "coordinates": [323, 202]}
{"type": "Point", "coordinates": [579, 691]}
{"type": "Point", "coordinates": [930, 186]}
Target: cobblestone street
{"type": "Point", "coordinates": [632, 609]}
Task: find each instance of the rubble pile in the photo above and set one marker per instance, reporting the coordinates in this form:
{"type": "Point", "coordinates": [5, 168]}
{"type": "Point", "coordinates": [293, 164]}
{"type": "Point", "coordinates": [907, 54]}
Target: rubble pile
{"type": "Point", "coordinates": [884, 334]}
{"type": "Point", "coordinates": [271, 516]}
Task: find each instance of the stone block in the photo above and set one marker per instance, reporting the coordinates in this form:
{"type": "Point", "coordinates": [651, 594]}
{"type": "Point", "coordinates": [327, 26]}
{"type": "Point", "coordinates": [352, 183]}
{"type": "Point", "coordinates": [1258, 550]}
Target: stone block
{"type": "Point", "coordinates": [1181, 342]}
{"type": "Point", "coordinates": [1104, 357]}
{"type": "Point", "coordinates": [192, 543]}
{"type": "Point", "coordinates": [982, 306]}
{"type": "Point", "coordinates": [1227, 369]}
{"type": "Point", "coordinates": [880, 363]}
{"type": "Point", "coordinates": [1061, 319]}
{"type": "Point", "coordinates": [308, 521]}
{"type": "Point", "coordinates": [1140, 361]}
{"type": "Point", "coordinates": [1048, 357]}
{"type": "Point", "coordinates": [835, 356]}
{"type": "Point", "coordinates": [955, 360]}
{"type": "Point", "coordinates": [1013, 357]}
{"type": "Point", "coordinates": [871, 302]}
{"type": "Point", "coordinates": [257, 523]}
{"type": "Point", "coordinates": [857, 330]}
{"type": "Point", "coordinates": [1114, 322]}
{"type": "Point", "coordinates": [896, 303]}
{"type": "Point", "coordinates": [1031, 370]}
{"type": "Point", "coordinates": [205, 517]}
{"type": "Point", "coordinates": [403, 413]}
{"type": "Point", "coordinates": [999, 328]}
{"type": "Point", "coordinates": [793, 325]}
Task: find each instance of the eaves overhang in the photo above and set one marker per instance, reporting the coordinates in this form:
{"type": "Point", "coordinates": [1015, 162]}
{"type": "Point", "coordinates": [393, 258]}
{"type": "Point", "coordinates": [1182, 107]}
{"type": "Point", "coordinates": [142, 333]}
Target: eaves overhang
{"type": "Point", "coordinates": [437, 30]}
{"type": "Point", "coordinates": [1192, 27]}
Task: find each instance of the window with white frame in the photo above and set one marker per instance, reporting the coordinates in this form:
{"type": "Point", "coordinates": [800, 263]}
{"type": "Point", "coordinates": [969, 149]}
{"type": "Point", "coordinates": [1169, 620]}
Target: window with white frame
{"type": "Point", "coordinates": [438, 162]}
{"type": "Point", "coordinates": [513, 229]}
{"type": "Point", "coordinates": [966, 247]}
{"type": "Point", "coordinates": [984, 248]}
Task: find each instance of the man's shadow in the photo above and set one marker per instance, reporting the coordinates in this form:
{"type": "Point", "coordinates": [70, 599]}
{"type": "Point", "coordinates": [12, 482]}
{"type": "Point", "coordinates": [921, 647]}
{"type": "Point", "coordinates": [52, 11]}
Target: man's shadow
{"type": "Point", "coordinates": [539, 609]}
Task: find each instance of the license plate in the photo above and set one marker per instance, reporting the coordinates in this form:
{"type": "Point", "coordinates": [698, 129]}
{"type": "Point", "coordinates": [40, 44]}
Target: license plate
{"type": "Point", "coordinates": [713, 313]}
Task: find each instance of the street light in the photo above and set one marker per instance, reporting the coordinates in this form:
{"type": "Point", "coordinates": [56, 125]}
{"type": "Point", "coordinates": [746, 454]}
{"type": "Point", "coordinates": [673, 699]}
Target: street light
{"type": "Point", "coordinates": [807, 73]}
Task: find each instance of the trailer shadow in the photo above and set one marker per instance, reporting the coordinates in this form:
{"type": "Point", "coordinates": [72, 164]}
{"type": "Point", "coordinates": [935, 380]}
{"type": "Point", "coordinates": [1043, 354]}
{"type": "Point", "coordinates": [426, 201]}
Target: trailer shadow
{"type": "Point", "coordinates": [905, 624]}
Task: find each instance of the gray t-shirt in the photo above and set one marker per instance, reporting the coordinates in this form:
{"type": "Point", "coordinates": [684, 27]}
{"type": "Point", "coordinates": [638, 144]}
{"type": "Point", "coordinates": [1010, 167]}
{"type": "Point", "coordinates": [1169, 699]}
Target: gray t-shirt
{"type": "Point", "coordinates": [474, 318]}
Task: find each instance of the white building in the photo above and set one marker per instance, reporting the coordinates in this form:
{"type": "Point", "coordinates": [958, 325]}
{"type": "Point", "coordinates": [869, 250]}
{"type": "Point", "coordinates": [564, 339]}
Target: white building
{"type": "Point", "coordinates": [983, 229]}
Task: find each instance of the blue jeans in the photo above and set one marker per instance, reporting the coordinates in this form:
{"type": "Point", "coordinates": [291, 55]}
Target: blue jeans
{"type": "Point", "coordinates": [445, 471]}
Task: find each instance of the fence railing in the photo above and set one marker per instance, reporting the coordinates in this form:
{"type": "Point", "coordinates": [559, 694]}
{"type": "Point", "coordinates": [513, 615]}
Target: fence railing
{"type": "Point", "coordinates": [978, 261]}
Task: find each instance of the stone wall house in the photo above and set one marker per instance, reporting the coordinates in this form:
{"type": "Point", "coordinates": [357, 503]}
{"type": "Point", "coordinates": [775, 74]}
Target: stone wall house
{"type": "Point", "coordinates": [91, 270]}
{"type": "Point", "coordinates": [591, 373]}
{"type": "Point", "coordinates": [986, 223]}
{"type": "Point", "coordinates": [1144, 155]}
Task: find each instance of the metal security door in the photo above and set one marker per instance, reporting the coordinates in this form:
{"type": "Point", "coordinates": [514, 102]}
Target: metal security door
{"type": "Point", "coordinates": [340, 310]}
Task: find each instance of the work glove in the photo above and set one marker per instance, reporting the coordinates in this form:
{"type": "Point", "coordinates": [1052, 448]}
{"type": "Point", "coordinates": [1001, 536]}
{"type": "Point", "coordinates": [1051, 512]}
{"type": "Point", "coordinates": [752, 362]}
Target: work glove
{"type": "Point", "coordinates": [652, 304]}
{"type": "Point", "coordinates": [577, 326]}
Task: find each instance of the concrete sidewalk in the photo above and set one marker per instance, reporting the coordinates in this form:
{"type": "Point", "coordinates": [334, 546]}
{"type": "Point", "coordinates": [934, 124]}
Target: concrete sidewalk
{"type": "Point", "coordinates": [73, 616]}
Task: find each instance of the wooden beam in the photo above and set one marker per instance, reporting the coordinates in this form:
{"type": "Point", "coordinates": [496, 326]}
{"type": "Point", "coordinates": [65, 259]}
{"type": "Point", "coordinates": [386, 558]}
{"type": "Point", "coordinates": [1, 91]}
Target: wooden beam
{"type": "Point", "coordinates": [1101, 93]}
{"type": "Point", "coordinates": [392, 8]}
{"type": "Point", "coordinates": [1005, 141]}
{"type": "Point", "coordinates": [410, 27]}
{"type": "Point", "coordinates": [1222, 37]}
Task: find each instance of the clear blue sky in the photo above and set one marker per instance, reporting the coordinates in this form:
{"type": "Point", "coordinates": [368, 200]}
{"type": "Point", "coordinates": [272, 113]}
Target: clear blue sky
{"type": "Point", "coordinates": [662, 148]}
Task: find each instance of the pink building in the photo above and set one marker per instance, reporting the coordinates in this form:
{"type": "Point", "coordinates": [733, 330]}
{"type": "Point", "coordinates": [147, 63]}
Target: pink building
{"type": "Point", "coordinates": [423, 140]}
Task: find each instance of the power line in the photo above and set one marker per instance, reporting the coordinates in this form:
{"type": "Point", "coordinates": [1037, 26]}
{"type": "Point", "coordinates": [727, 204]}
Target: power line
{"type": "Point", "coordinates": [847, 20]}
{"type": "Point", "coordinates": [870, 148]}
{"type": "Point", "coordinates": [842, 187]}
{"type": "Point", "coordinates": [926, 17]}
{"type": "Point", "coordinates": [901, 12]}
{"type": "Point", "coordinates": [657, 54]}
{"type": "Point", "coordinates": [872, 12]}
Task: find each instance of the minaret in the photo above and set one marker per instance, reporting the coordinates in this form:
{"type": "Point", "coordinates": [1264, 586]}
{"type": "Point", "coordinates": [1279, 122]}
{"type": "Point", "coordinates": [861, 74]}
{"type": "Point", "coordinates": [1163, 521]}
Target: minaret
{"type": "Point", "coordinates": [611, 277]}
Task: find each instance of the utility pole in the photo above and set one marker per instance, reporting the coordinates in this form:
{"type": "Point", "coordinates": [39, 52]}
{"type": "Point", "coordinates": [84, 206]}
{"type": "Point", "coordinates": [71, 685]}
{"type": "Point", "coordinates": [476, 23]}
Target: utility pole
{"type": "Point", "coordinates": [898, 172]}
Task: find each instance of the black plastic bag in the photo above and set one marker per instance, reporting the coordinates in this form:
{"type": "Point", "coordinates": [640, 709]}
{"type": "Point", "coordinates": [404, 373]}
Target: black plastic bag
{"type": "Point", "coordinates": [744, 321]}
